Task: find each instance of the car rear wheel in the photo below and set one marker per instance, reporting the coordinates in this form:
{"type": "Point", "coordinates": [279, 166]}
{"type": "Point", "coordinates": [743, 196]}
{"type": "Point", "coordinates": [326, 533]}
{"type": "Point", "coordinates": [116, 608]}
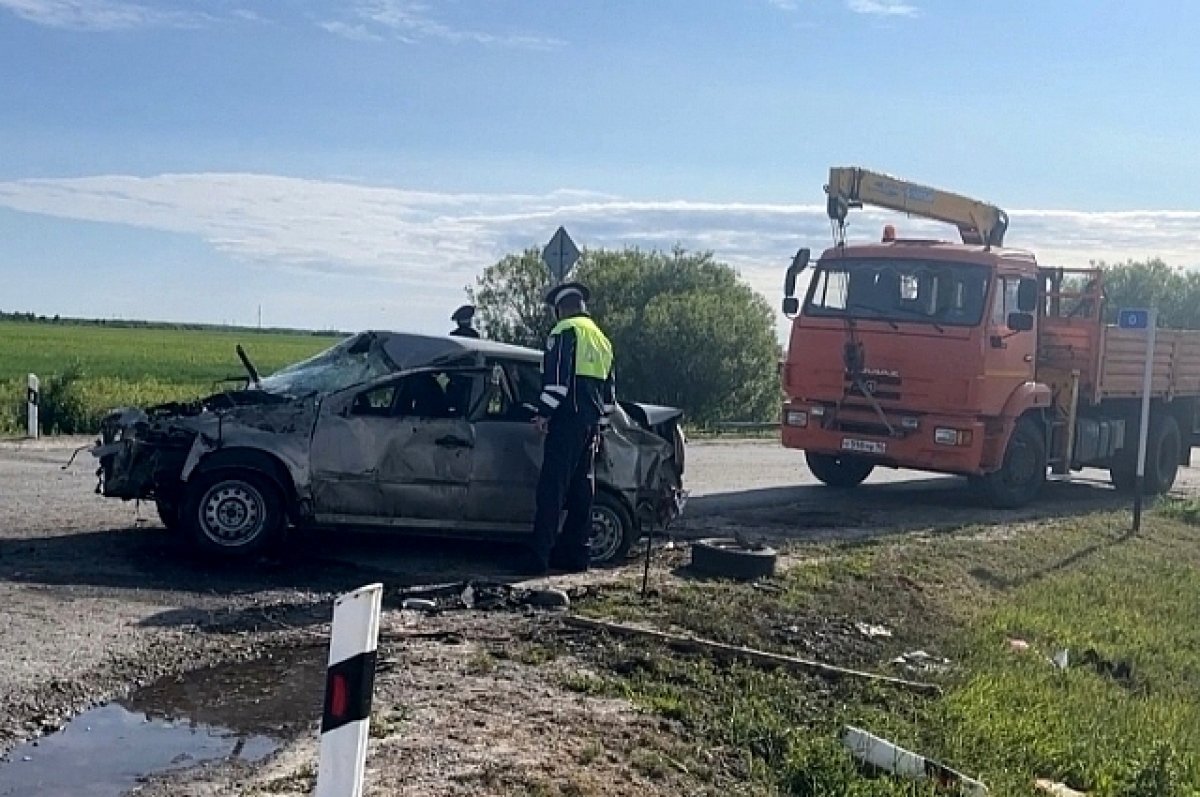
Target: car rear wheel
{"type": "Point", "coordinates": [232, 514]}
{"type": "Point", "coordinates": [838, 471]}
{"type": "Point", "coordinates": [613, 531]}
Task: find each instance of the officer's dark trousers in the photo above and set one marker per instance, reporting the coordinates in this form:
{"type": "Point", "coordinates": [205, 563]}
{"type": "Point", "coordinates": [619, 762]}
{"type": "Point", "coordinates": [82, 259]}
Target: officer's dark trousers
{"type": "Point", "coordinates": [567, 481]}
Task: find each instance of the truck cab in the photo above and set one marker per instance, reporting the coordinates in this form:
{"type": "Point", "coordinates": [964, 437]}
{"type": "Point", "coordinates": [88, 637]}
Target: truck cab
{"type": "Point", "coordinates": [913, 353]}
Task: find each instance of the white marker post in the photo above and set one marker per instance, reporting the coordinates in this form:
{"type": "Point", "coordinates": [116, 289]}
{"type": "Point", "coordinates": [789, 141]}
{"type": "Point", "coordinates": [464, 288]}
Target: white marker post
{"type": "Point", "coordinates": [33, 397]}
{"type": "Point", "coordinates": [349, 685]}
{"type": "Point", "coordinates": [891, 758]}
{"type": "Point", "coordinates": [1146, 319]}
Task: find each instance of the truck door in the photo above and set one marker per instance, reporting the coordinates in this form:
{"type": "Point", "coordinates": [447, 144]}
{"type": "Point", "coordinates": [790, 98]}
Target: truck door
{"type": "Point", "coordinates": [1009, 355]}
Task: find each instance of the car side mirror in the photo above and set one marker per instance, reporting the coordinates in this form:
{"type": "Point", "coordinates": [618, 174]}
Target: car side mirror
{"type": "Point", "coordinates": [791, 306]}
{"type": "Point", "coordinates": [1027, 295]}
{"type": "Point", "coordinates": [799, 263]}
{"type": "Point", "coordinates": [1020, 322]}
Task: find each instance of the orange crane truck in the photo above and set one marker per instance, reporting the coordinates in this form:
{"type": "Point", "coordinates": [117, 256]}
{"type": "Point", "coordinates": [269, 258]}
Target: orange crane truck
{"type": "Point", "coordinates": [969, 358]}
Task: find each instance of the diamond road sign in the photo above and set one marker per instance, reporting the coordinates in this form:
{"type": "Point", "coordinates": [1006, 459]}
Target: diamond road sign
{"type": "Point", "coordinates": [560, 255]}
{"type": "Point", "coordinates": [1133, 319]}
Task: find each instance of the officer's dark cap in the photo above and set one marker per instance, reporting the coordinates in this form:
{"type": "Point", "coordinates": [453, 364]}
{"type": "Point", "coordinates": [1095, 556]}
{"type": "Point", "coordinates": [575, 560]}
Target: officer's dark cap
{"type": "Point", "coordinates": [566, 290]}
{"type": "Point", "coordinates": [464, 313]}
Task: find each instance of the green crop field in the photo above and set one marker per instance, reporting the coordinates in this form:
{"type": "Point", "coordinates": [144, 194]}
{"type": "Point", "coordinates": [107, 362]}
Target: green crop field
{"type": "Point", "coordinates": [86, 369]}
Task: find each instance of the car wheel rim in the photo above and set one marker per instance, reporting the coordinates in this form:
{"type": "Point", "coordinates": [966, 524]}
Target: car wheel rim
{"type": "Point", "coordinates": [606, 534]}
{"type": "Point", "coordinates": [232, 513]}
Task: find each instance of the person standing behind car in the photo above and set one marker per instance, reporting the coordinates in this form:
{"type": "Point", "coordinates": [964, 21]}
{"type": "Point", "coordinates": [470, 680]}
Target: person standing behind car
{"type": "Point", "coordinates": [578, 394]}
{"type": "Point", "coordinates": [462, 318]}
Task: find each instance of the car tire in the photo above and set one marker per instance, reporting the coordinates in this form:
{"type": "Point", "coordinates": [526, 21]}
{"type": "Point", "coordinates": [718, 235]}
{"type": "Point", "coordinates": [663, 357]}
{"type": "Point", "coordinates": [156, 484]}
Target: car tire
{"type": "Point", "coordinates": [728, 558]}
{"type": "Point", "coordinates": [232, 514]}
{"type": "Point", "coordinates": [168, 513]}
{"type": "Point", "coordinates": [613, 531]}
{"type": "Point", "coordinates": [1023, 471]}
{"type": "Point", "coordinates": [838, 471]}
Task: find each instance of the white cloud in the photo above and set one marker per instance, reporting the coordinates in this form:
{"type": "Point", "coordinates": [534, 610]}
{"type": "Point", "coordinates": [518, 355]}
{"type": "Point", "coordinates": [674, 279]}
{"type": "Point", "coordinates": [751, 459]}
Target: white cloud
{"type": "Point", "coordinates": [785, 5]}
{"type": "Point", "coordinates": [394, 232]}
{"type": "Point", "coordinates": [883, 8]}
{"type": "Point", "coordinates": [411, 21]}
{"type": "Point", "coordinates": [431, 244]}
{"type": "Point", "coordinates": [352, 31]}
{"type": "Point", "coordinates": [98, 15]}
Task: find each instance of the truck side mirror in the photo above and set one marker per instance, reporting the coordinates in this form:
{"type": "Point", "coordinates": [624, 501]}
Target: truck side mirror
{"type": "Point", "coordinates": [1020, 322]}
{"type": "Point", "coordinates": [791, 306]}
{"type": "Point", "coordinates": [799, 263]}
{"type": "Point", "coordinates": [1027, 295]}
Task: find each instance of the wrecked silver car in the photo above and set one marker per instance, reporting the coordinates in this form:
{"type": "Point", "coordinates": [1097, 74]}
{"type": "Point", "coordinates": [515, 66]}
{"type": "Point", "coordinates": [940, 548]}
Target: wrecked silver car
{"type": "Point", "coordinates": [382, 430]}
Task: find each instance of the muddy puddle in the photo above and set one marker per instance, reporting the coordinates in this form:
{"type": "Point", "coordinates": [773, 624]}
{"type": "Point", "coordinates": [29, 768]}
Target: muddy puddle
{"type": "Point", "coordinates": [231, 711]}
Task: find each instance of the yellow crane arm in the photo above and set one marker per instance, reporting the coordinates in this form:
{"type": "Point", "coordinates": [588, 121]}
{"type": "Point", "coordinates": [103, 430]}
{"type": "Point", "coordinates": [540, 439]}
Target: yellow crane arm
{"type": "Point", "coordinates": [851, 187]}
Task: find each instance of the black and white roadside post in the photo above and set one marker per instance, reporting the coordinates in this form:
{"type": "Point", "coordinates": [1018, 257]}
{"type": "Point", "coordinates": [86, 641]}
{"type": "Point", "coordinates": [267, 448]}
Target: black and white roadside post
{"type": "Point", "coordinates": [1145, 319]}
{"type": "Point", "coordinates": [560, 256]}
{"type": "Point", "coordinates": [33, 396]}
{"type": "Point", "coordinates": [349, 684]}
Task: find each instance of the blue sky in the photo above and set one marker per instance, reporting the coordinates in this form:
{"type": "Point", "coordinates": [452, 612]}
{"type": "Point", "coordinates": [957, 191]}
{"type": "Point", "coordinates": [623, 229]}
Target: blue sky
{"type": "Point", "coordinates": [356, 163]}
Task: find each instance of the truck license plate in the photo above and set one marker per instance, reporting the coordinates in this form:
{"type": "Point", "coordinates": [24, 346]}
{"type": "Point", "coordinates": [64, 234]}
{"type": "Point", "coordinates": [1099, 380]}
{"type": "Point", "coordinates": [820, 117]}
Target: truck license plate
{"type": "Point", "coordinates": [863, 446]}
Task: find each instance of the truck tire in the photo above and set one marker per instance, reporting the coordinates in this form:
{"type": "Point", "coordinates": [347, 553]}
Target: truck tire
{"type": "Point", "coordinates": [1023, 472]}
{"type": "Point", "coordinates": [232, 514]}
{"type": "Point", "coordinates": [1164, 450]}
{"type": "Point", "coordinates": [1163, 453]}
{"type": "Point", "coordinates": [842, 472]}
{"type": "Point", "coordinates": [728, 558]}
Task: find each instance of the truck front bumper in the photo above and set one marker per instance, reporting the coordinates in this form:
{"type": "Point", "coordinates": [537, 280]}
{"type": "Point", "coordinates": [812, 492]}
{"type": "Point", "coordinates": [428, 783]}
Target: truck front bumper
{"type": "Point", "coordinates": [938, 443]}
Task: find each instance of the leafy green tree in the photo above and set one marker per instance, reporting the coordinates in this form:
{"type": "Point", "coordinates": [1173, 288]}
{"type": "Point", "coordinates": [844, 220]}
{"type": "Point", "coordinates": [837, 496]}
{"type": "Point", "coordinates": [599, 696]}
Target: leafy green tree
{"type": "Point", "coordinates": [1174, 291]}
{"type": "Point", "coordinates": [686, 330]}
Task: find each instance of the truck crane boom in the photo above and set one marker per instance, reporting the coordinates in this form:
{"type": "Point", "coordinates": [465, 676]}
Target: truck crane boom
{"type": "Point", "coordinates": [978, 222]}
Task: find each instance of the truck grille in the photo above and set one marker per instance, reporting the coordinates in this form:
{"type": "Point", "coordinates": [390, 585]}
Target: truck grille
{"type": "Point", "coordinates": [882, 387]}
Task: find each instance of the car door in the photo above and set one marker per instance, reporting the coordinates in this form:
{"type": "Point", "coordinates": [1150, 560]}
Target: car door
{"type": "Point", "coordinates": [508, 450]}
{"type": "Point", "coordinates": [398, 452]}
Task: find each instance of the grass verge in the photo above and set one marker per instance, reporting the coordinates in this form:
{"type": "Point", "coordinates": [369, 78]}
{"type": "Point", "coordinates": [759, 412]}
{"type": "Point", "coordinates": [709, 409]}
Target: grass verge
{"type": "Point", "coordinates": [1123, 719]}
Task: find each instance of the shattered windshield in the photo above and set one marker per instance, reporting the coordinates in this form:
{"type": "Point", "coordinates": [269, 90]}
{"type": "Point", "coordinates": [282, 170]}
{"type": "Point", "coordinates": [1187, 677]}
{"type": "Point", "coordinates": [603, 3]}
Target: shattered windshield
{"type": "Point", "coordinates": [354, 360]}
{"type": "Point", "coordinates": [922, 291]}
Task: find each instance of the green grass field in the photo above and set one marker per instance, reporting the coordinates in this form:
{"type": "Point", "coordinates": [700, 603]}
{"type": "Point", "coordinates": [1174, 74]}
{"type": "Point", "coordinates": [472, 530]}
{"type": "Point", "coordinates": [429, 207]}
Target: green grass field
{"type": "Point", "coordinates": [1122, 720]}
{"type": "Point", "coordinates": [120, 366]}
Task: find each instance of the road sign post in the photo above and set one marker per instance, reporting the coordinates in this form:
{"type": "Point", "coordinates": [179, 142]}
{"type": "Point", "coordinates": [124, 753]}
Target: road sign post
{"type": "Point", "coordinates": [32, 400]}
{"type": "Point", "coordinates": [1147, 320]}
{"type": "Point", "coordinates": [560, 256]}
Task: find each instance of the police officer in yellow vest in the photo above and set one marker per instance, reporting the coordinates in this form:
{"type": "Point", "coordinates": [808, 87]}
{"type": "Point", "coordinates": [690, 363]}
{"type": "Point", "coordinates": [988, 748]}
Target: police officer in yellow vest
{"type": "Point", "coordinates": [578, 393]}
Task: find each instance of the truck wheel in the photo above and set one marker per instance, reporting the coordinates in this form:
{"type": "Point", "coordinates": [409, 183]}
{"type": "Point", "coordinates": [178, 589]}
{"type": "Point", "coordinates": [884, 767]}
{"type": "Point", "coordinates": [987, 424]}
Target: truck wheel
{"type": "Point", "coordinates": [1023, 472]}
{"type": "Point", "coordinates": [837, 471]}
{"type": "Point", "coordinates": [613, 532]}
{"type": "Point", "coordinates": [1164, 445]}
{"type": "Point", "coordinates": [232, 514]}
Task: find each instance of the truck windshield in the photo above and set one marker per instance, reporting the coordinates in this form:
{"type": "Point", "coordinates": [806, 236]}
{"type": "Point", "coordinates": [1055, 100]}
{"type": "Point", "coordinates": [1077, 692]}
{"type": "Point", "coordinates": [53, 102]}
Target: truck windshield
{"type": "Point", "coordinates": [354, 360]}
{"type": "Point", "coordinates": [933, 292]}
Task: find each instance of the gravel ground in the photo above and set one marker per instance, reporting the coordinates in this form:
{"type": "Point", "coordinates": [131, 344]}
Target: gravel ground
{"type": "Point", "coordinates": [96, 599]}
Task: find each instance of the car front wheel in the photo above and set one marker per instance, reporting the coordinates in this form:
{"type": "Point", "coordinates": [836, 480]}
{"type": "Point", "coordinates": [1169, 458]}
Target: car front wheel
{"type": "Point", "coordinates": [232, 514]}
{"type": "Point", "coordinates": [613, 532]}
